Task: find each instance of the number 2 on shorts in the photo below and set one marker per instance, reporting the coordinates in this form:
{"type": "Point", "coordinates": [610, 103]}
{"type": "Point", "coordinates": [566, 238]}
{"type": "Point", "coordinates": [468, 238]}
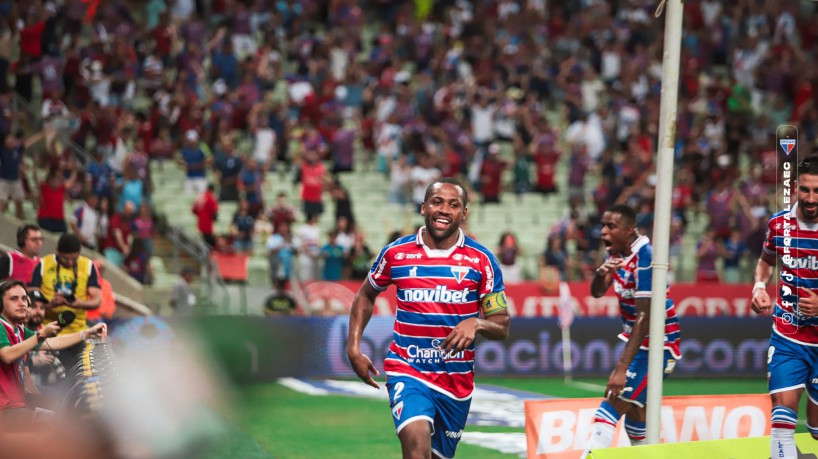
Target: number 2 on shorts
{"type": "Point", "coordinates": [398, 389]}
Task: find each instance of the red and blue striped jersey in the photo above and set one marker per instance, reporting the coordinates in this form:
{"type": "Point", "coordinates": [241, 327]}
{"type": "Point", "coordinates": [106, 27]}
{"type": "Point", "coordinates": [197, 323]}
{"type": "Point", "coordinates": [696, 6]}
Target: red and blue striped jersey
{"type": "Point", "coordinates": [795, 243]}
{"type": "Point", "coordinates": [635, 280]}
{"type": "Point", "coordinates": [436, 290]}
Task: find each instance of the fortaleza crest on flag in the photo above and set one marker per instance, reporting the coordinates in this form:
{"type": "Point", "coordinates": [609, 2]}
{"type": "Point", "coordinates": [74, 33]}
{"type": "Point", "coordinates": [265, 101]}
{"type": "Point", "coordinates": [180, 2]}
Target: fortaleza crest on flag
{"type": "Point", "coordinates": [787, 145]}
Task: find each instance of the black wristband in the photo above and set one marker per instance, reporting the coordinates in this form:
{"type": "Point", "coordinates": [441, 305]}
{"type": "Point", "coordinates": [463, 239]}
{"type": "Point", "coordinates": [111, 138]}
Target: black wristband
{"type": "Point", "coordinates": [40, 337]}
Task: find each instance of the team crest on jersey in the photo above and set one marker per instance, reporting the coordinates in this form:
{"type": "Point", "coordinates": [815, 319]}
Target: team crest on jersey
{"type": "Point", "coordinates": [459, 273]}
{"type": "Point", "coordinates": [397, 410]}
{"type": "Point", "coordinates": [787, 145]}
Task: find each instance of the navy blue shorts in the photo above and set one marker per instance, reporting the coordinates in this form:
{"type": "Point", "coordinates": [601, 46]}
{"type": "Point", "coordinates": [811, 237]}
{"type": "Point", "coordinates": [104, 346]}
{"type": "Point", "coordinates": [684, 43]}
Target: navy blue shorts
{"type": "Point", "coordinates": [636, 386]}
{"type": "Point", "coordinates": [411, 400]}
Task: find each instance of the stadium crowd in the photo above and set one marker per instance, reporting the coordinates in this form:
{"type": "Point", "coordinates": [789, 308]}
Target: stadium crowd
{"type": "Point", "coordinates": [237, 92]}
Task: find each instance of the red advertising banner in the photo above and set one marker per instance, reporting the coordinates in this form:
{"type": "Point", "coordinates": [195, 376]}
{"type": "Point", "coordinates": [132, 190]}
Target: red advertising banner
{"type": "Point", "coordinates": [560, 428]}
{"type": "Point", "coordinates": [528, 299]}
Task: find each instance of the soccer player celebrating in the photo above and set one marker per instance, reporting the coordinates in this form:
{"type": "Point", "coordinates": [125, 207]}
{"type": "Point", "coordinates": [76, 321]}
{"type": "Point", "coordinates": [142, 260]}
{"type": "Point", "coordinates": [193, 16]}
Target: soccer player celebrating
{"type": "Point", "coordinates": [449, 289]}
{"type": "Point", "coordinates": [628, 267]}
{"type": "Point", "coordinates": [792, 359]}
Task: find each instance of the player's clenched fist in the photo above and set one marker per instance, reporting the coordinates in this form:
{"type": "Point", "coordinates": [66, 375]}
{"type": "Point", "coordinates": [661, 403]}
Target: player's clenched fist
{"type": "Point", "coordinates": [761, 300]}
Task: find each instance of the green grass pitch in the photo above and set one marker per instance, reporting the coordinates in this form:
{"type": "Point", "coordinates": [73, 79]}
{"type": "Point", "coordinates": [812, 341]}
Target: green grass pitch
{"type": "Point", "coordinates": [272, 421]}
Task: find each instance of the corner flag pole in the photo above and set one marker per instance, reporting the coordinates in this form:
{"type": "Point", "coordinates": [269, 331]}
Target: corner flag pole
{"type": "Point", "coordinates": [662, 208]}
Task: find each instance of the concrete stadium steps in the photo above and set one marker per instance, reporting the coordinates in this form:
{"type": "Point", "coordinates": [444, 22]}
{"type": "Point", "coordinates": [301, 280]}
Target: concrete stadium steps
{"type": "Point", "coordinates": [225, 218]}
{"type": "Point", "coordinates": [258, 270]}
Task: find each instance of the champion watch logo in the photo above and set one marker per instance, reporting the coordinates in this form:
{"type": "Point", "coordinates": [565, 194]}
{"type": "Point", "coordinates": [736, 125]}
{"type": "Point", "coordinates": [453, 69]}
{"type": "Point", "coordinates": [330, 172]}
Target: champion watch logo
{"type": "Point", "coordinates": [787, 145]}
{"type": "Point", "coordinates": [459, 272]}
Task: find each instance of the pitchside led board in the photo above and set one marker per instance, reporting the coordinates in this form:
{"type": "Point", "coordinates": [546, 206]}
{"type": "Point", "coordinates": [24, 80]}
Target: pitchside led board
{"type": "Point", "coordinates": [560, 428]}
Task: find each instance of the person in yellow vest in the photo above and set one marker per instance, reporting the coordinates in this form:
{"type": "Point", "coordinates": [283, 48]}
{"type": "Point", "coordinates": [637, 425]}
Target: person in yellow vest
{"type": "Point", "coordinates": [70, 282]}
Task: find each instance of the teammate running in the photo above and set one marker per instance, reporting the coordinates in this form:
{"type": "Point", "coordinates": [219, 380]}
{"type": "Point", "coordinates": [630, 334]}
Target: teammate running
{"type": "Point", "coordinates": [628, 268]}
{"type": "Point", "coordinates": [792, 359]}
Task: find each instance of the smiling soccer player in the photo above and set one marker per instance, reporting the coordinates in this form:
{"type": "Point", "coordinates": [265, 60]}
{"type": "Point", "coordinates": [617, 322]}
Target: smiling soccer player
{"type": "Point", "coordinates": [449, 289]}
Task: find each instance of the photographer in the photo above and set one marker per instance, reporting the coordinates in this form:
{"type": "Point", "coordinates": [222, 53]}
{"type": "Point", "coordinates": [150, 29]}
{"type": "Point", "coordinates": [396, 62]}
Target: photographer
{"type": "Point", "coordinates": [16, 341]}
{"type": "Point", "coordinates": [44, 369]}
{"type": "Point", "coordinates": [69, 281]}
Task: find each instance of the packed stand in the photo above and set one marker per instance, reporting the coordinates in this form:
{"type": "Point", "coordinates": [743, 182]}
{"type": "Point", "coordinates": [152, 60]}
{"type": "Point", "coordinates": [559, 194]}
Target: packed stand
{"type": "Point", "coordinates": [500, 92]}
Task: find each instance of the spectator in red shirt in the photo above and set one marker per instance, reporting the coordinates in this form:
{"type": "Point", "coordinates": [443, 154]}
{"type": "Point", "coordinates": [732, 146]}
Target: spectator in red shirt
{"type": "Point", "coordinates": [281, 214]}
{"type": "Point", "coordinates": [164, 35]}
{"type": "Point", "coordinates": [491, 173]}
{"type": "Point", "coordinates": [120, 238]}
{"type": "Point", "coordinates": [51, 207]}
{"type": "Point", "coordinates": [206, 209]}
{"type": "Point", "coordinates": [145, 129]}
{"type": "Point", "coordinates": [546, 158]}
{"type": "Point", "coordinates": [31, 39]}
{"type": "Point", "coordinates": [19, 264]}
{"type": "Point", "coordinates": [313, 179]}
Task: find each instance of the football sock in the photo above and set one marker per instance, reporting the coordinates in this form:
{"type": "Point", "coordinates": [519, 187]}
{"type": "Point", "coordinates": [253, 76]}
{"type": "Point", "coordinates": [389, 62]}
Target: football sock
{"type": "Point", "coordinates": [636, 431]}
{"type": "Point", "coordinates": [782, 435]}
{"type": "Point", "coordinates": [812, 431]}
{"type": "Point", "coordinates": [602, 431]}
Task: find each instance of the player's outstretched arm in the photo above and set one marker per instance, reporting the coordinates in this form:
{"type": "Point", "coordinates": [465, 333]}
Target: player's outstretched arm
{"type": "Point", "coordinates": [764, 268]}
{"type": "Point", "coordinates": [362, 307]}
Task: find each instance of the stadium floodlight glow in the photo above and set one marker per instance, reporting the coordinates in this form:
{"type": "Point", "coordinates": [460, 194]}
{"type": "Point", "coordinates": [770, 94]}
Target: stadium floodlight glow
{"type": "Point", "coordinates": [662, 209]}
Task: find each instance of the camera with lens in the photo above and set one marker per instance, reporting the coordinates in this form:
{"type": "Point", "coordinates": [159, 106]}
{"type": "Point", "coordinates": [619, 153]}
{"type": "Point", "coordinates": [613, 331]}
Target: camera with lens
{"type": "Point", "coordinates": [67, 292]}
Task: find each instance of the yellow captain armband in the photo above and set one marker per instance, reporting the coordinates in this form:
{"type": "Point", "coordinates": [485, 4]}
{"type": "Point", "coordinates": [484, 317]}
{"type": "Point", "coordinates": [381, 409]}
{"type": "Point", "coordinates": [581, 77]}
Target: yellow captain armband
{"type": "Point", "coordinates": [493, 303]}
